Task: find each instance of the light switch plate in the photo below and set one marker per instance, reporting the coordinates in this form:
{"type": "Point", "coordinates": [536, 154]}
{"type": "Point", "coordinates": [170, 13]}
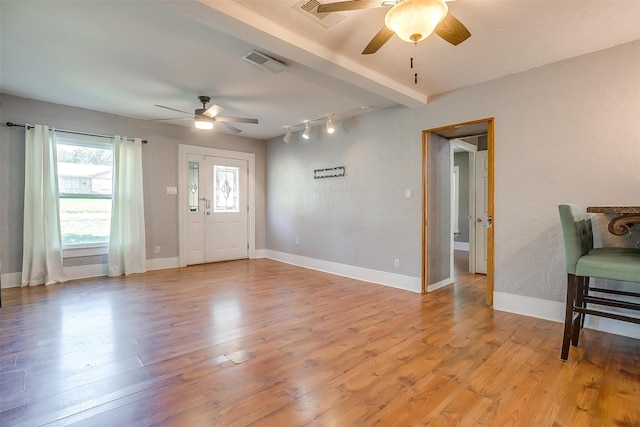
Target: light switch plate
{"type": "Point", "coordinates": [408, 193]}
{"type": "Point", "coordinates": [172, 190]}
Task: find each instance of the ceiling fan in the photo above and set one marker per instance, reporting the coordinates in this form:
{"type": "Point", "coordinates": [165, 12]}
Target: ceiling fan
{"type": "Point", "coordinates": [206, 118]}
{"type": "Point", "coordinates": [411, 20]}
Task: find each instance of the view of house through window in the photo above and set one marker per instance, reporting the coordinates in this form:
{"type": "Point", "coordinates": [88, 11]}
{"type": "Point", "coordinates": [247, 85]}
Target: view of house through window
{"type": "Point", "coordinates": [85, 187]}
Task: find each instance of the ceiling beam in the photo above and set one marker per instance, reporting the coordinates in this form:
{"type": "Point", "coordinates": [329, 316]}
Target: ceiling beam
{"type": "Point", "coordinates": [244, 24]}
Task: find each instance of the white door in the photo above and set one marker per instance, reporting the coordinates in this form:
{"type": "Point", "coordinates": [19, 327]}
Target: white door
{"type": "Point", "coordinates": [482, 214]}
{"type": "Point", "coordinates": [225, 209]}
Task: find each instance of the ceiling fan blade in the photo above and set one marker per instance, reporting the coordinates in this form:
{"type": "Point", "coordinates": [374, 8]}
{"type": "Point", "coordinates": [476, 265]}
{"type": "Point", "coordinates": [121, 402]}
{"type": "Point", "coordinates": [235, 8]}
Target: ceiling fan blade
{"type": "Point", "coordinates": [348, 5]}
{"type": "Point", "coordinates": [212, 111]}
{"type": "Point", "coordinates": [226, 127]}
{"type": "Point", "coordinates": [170, 118]}
{"type": "Point", "coordinates": [172, 109]}
{"type": "Point", "coordinates": [234, 120]}
{"type": "Point", "coordinates": [452, 30]}
{"type": "Point", "coordinates": [378, 41]}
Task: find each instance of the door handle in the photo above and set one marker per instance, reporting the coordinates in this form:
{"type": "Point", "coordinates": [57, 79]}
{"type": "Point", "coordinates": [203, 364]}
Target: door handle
{"type": "Point", "coordinates": [207, 202]}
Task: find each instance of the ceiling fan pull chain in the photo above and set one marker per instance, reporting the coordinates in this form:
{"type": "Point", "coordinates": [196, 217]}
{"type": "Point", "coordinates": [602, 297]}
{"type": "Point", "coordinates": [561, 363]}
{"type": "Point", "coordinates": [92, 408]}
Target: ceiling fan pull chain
{"type": "Point", "coordinates": [415, 75]}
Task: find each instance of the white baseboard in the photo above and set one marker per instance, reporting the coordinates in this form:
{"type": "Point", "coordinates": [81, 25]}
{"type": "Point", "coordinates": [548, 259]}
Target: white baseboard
{"type": "Point", "coordinates": [14, 280]}
{"type": "Point", "coordinates": [393, 280]}
{"type": "Point", "coordinates": [554, 311]}
{"type": "Point", "coordinates": [163, 263]}
{"type": "Point", "coordinates": [86, 271]}
{"type": "Point", "coordinates": [461, 246]}
{"type": "Point", "coordinates": [440, 284]}
{"type": "Point", "coordinates": [260, 253]}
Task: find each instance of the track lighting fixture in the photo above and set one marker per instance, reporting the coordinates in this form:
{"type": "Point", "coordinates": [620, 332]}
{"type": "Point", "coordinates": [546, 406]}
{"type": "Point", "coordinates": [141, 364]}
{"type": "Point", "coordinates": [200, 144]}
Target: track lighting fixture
{"type": "Point", "coordinates": [288, 136]}
{"type": "Point", "coordinates": [330, 128]}
{"type": "Point", "coordinates": [326, 121]}
{"type": "Point", "coordinates": [305, 135]}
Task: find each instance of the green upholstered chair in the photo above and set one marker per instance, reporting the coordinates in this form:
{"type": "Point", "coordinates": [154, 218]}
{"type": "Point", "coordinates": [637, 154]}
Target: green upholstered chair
{"type": "Point", "coordinates": [584, 261]}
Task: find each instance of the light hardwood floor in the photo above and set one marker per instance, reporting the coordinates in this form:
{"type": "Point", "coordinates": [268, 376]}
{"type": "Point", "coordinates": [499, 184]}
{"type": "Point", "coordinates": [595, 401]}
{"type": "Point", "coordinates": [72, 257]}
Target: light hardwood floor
{"type": "Point", "coordinates": [269, 344]}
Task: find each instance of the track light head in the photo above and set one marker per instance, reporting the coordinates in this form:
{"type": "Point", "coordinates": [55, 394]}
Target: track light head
{"type": "Point", "coordinates": [330, 127]}
{"type": "Point", "coordinates": [306, 132]}
{"type": "Point", "coordinates": [288, 136]}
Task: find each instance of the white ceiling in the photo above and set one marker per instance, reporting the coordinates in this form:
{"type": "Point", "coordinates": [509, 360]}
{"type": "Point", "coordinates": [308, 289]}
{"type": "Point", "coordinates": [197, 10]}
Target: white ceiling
{"type": "Point", "coordinates": [122, 57]}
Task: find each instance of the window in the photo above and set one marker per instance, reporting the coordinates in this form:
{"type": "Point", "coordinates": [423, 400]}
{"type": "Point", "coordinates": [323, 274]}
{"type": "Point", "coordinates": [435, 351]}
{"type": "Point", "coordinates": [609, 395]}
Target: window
{"type": "Point", "coordinates": [85, 187]}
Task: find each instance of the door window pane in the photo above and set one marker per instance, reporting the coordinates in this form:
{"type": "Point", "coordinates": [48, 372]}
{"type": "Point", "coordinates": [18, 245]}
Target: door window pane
{"type": "Point", "coordinates": [194, 178]}
{"type": "Point", "coordinates": [226, 189]}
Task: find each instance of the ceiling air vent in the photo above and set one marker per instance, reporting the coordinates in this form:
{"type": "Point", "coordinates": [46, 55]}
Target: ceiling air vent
{"type": "Point", "coordinates": [264, 61]}
{"type": "Point", "coordinates": [309, 8]}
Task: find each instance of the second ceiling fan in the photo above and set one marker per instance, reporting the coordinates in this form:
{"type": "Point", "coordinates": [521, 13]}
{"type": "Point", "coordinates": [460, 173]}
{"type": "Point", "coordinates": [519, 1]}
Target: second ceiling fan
{"type": "Point", "coordinates": [411, 20]}
{"type": "Point", "coordinates": [205, 118]}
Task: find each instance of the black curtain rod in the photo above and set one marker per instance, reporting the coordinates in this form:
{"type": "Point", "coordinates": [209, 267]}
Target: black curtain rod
{"type": "Point", "coordinates": [73, 132]}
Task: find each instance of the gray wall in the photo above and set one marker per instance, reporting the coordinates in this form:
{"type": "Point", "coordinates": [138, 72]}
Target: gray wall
{"type": "Point", "coordinates": [361, 219]}
{"type": "Point", "coordinates": [566, 132]}
{"type": "Point", "coordinates": [160, 164]}
{"type": "Point", "coordinates": [462, 161]}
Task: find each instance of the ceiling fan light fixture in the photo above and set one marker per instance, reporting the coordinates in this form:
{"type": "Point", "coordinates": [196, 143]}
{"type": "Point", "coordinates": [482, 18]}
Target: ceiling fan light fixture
{"type": "Point", "coordinates": [203, 123]}
{"type": "Point", "coordinates": [415, 20]}
{"type": "Point", "coordinates": [306, 132]}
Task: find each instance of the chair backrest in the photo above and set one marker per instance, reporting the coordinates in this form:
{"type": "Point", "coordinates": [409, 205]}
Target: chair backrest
{"type": "Point", "coordinates": [577, 233]}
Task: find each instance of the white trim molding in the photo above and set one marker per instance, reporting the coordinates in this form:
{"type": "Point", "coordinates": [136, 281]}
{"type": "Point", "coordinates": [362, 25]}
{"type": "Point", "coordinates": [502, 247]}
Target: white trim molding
{"type": "Point", "coordinates": [394, 280]}
{"type": "Point", "coordinates": [14, 280]}
{"type": "Point", "coordinates": [461, 246]}
{"type": "Point", "coordinates": [554, 311]}
{"type": "Point", "coordinates": [440, 284]}
{"type": "Point", "coordinates": [163, 263]}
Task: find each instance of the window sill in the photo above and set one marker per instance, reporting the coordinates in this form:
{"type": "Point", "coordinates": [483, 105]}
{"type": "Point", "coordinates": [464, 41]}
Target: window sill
{"type": "Point", "coordinates": [76, 251]}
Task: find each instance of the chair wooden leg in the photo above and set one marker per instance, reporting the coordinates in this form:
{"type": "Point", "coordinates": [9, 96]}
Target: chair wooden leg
{"type": "Point", "coordinates": [568, 316]}
{"type": "Point", "coordinates": [583, 304]}
{"type": "Point", "coordinates": [577, 323]}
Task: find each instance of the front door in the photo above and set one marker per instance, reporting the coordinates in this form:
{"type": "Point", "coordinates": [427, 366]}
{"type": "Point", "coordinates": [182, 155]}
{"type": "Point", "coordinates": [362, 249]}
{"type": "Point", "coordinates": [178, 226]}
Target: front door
{"type": "Point", "coordinates": [216, 205]}
{"type": "Point", "coordinates": [225, 210]}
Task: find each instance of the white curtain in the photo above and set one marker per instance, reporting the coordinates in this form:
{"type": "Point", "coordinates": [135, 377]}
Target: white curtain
{"type": "Point", "coordinates": [127, 250]}
{"type": "Point", "coordinates": [41, 247]}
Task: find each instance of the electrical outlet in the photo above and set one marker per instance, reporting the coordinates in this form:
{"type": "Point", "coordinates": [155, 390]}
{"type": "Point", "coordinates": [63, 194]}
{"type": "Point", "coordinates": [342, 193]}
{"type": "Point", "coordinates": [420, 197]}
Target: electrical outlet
{"type": "Point", "coordinates": [297, 240]}
{"type": "Point", "coordinates": [157, 249]}
{"type": "Point", "coordinates": [396, 263]}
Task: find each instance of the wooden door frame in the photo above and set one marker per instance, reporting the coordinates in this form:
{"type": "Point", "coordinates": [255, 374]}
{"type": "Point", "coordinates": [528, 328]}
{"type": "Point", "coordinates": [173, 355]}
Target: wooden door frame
{"type": "Point", "coordinates": [490, 202]}
{"type": "Point", "coordinates": [183, 151]}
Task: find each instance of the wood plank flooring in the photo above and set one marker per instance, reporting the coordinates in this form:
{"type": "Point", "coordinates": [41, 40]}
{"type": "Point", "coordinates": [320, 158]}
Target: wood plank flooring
{"type": "Point", "coordinates": [263, 343]}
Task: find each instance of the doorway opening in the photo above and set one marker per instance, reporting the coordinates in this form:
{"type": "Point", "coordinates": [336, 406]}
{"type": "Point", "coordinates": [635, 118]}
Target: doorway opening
{"type": "Point", "coordinates": [447, 229]}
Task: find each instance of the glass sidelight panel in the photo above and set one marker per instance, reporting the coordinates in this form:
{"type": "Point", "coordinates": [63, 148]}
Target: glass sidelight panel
{"type": "Point", "coordinates": [194, 178]}
{"type": "Point", "coordinates": [226, 189]}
